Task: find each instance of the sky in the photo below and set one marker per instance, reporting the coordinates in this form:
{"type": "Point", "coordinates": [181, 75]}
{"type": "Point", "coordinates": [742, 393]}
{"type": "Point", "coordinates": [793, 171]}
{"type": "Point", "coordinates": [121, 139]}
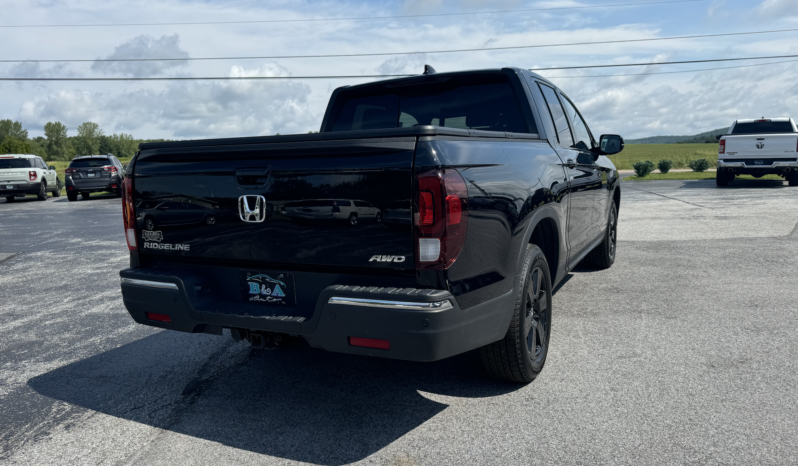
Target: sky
{"type": "Point", "coordinates": [633, 106]}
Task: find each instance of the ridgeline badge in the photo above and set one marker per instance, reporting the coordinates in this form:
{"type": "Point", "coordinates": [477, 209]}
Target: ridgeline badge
{"type": "Point", "coordinates": [152, 240]}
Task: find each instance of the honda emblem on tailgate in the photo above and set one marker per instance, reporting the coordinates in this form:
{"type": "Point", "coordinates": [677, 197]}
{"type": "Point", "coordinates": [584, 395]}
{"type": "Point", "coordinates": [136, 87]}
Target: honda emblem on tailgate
{"type": "Point", "coordinates": [252, 209]}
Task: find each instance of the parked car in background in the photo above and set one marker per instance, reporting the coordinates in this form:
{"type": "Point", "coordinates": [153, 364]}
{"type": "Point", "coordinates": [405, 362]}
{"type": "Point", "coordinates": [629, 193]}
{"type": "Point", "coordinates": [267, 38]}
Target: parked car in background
{"type": "Point", "coordinates": [333, 209]}
{"type": "Point", "coordinates": [758, 148]}
{"type": "Point", "coordinates": [93, 174]}
{"type": "Point", "coordinates": [509, 189]}
{"type": "Point", "coordinates": [24, 174]}
{"type": "Point", "coordinates": [158, 214]}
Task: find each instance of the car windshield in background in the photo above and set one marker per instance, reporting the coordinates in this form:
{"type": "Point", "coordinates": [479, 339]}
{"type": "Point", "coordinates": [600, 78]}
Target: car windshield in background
{"type": "Point", "coordinates": [14, 163]}
{"type": "Point", "coordinates": [763, 127]}
{"type": "Point", "coordinates": [89, 163]}
{"type": "Point", "coordinates": [488, 105]}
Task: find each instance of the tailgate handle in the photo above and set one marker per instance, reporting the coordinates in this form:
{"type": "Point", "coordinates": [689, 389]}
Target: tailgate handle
{"type": "Point", "coordinates": [253, 177]}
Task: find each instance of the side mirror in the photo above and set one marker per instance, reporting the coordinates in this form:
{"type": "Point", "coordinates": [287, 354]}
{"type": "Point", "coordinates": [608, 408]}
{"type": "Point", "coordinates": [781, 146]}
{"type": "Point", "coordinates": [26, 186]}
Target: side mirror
{"type": "Point", "coordinates": [611, 144]}
{"type": "Point", "coordinates": [52, 167]}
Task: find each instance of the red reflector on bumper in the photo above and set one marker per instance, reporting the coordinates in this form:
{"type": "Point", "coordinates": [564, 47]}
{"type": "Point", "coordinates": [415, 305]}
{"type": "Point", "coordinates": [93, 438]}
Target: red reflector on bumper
{"type": "Point", "coordinates": [159, 317]}
{"type": "Point", "coordinates": [369, 343]}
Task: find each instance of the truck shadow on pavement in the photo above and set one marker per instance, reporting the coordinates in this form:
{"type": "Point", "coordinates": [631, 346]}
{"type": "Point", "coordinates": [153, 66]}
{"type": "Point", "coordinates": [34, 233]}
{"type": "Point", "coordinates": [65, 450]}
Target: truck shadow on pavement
{"type": "Point", "coordinates": [297, 403]}
{"type": "Point", "coordinates": [736, 184]}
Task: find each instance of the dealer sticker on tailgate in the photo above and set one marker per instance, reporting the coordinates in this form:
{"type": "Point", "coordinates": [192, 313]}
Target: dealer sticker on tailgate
{"type": "Point", "coordinates": [270, 288]}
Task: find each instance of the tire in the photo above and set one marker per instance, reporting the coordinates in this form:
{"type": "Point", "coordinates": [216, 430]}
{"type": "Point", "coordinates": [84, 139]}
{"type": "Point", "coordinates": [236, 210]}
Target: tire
{"type": "Point", "coordinates": [85, 196]}
{"type": "Point", "coordinates": [603, 255]}
{"type": "Point", "coordinates": [42, 196]}
{"type": "Point", "coordinates": [149, 224]}
{"type": "Point", "coordinates": [353, 219]}
{"type": "Point", "coordinates": [72, 196]}
{"type": "Point", "coordinates": [520, 356]}
{"type": "Point", "coordinates": [721, 179]}
{"type": "Point", "coordinates": [9, 198]}
{"type": "Point", "coordinates": [793, 179]}
{"type": "Point", "coordinates": [57, 190]}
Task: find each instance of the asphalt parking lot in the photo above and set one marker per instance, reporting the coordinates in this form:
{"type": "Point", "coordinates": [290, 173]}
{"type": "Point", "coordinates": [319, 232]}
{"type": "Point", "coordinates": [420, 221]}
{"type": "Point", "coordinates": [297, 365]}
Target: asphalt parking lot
{"type": "Point", "coordinates": [683, 352]}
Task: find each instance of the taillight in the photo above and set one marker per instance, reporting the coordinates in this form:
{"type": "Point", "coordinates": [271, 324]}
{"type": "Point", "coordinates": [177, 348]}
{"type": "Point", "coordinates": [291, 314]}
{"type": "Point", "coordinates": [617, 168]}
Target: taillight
{"type": "Point", "coordinates": [442, 219]}
{"type": "Point", "coordinates": [128, 213]}
{"type": "Point", "coordinates": [32, 175]}
{"type": "Point", "coordinates": [110, 169]}
{"type": "Point", "coordinates": [71, 170]}
{"type": "Point", "coordinates": [722, 149]}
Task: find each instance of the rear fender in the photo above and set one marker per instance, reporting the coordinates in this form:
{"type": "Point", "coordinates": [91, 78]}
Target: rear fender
{"type": "Point", "coordinates": [544, 212]}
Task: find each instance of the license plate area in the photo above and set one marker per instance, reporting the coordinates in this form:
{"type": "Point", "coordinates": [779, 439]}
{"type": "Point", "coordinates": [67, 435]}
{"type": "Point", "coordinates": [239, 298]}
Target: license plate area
{"type": "Point", "coordinates": [91, 174]}
{"type": "Point", "coordinates": [9, 186]}
{"type": "Point", "coordinates": [268, 288]}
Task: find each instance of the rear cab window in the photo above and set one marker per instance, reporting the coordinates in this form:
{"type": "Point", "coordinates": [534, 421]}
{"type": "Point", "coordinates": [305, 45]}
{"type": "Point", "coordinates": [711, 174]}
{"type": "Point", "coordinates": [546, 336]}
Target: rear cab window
{"type": "Point", "coordinates": [763, 127]}
{"type": "Point", "coordinates": [480, 102]}
{"type": "Point", "coordinates": [90, 163]}
{"type": "Point", "coordinates": [14, 163]}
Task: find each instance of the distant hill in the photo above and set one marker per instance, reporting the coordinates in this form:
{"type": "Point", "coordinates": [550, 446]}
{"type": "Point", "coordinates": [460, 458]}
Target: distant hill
{"type": "Point", "coordinates": [708, 137]}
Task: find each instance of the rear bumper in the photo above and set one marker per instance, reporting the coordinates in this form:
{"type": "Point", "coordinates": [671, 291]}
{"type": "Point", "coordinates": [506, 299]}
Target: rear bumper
{"type": "Point", "coordinates": [420, 325]}
{"type": "Point", "coordinates": [92, 186]}
{"type": "Point", "coordinates": [743, 167]}
{"type": "Point", "coordinates": [20, 189]}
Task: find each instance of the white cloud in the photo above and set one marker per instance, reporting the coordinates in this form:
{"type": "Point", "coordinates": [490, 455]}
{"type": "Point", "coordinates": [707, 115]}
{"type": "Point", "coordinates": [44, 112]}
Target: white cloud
{"type": "Point", "coordinates": [187, 110]}
{"type": "Point", "coordinates": [144, 46]}
{"type": "Point", "coordinates": [778, 9]}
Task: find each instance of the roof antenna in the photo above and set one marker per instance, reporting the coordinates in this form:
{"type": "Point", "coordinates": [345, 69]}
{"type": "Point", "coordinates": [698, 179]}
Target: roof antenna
{"type": "Point", "coordinates": [428, 70]}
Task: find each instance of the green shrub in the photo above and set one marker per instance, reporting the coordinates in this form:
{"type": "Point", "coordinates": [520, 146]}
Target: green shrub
{"type": "Point", "coordinates": [699, 165]}
{"type": "Point", "coordinates": [665, 166]}
{"type": "Point", "coordinates": [642, 169]}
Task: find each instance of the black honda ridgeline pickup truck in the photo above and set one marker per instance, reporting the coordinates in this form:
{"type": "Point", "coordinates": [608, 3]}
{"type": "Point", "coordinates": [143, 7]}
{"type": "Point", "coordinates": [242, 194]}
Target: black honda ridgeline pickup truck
{"type": "Point", "coordinates": [494, 186]}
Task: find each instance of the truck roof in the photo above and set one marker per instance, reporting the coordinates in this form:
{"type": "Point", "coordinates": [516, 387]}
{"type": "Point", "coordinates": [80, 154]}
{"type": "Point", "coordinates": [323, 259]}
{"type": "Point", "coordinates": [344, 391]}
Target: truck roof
{"type": "Point", "coordinates": [781, 120]}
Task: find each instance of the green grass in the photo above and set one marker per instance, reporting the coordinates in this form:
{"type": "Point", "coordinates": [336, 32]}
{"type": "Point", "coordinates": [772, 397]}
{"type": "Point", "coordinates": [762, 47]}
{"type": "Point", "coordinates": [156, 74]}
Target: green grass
{"type": "Point", "coordinates": [679, 154]}
{"type": "Point", "coordinates": [694, 176]}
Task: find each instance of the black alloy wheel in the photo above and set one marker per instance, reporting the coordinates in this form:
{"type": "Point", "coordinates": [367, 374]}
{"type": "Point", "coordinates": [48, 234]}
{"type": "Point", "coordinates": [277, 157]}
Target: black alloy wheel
{"type": "Point", "coordinates": [723, 178]}
{"type": "Point", "coordinates": [42, 196]}
{"type": "Point", "coordinates": [521, 354]}
{"type": "Point", "coordinates": [793, 179]}
{"type": "Point", "coordinates": [603, 255]}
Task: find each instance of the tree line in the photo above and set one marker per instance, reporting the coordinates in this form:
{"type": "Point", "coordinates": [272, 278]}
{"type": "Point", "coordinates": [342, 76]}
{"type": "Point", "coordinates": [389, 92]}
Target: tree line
{"type": "Point", "coordinates": [58, 145]}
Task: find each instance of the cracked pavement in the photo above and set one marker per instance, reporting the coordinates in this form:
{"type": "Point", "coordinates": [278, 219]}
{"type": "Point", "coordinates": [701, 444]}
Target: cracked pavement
{"type": "Point", "coordinates": [683, 352]}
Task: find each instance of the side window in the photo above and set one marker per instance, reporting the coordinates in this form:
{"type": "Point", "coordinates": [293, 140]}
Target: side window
{"type": "Point", "coordinates": [558, 116]}
{"type": "Point", "coordinates": [581, 133]}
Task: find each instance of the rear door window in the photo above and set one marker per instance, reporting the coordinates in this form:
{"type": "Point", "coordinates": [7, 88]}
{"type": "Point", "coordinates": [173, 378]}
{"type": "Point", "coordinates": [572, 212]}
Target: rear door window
{"type": "Point", "coordinates": [558, 116]}
{"type": "Point", "coordinates": [763, 127]}
{"type": "Point", "coordinates": [490, 105]}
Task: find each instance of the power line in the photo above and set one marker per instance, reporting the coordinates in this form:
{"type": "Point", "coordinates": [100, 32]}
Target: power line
{"type": "Point", "coordinates": [669, 72]}
{"type": "Point", "coordinates": [663, 63]}
{"type": "Point", "coordinates": [487, 49]}
{"type": "Point", "coordinates": [362, 18]}
{"type": "Point", "coordinates": [244, 78]}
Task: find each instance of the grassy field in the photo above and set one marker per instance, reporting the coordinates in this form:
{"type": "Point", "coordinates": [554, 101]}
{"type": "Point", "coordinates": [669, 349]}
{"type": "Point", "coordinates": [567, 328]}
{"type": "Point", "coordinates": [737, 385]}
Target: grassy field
{"type": "Point", "coordinates": [679, 154]}
{"type": "Point", "coordinates": [694, 176]}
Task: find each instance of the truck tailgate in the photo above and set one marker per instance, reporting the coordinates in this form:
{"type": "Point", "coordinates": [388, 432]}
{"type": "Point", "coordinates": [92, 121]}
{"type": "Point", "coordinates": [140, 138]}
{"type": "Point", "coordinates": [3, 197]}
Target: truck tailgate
{"type": "Point", "coordinates": [761, 145]}
{"type": "Point", "coordinates": [277, 204]}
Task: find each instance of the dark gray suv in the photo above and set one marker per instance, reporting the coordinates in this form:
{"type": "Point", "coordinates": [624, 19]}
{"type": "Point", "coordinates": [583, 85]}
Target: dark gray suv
{"type": "Point", "coordinates": [92, 174]}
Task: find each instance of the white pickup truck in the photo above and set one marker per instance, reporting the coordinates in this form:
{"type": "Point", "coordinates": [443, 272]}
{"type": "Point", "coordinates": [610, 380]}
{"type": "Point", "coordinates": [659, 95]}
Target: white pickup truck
{"type": "Point", "coordinates": [758, 148]}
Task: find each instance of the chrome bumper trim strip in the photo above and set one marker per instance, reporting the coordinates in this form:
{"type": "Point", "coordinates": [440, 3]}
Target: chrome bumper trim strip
{"type": "Point", "coordinates": [150, 284]}
{"type": "Point", "coordinates": [401, 305]}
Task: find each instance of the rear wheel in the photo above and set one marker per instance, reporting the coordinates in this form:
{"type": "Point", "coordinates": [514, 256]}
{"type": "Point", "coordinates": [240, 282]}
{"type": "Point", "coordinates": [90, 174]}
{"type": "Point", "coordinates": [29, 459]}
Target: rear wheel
{"type": "Point", "coordinates": [210, 220]}
{"type": "Point", "coordinates": [57, 189]}
{"type": "Point", "coordinates": [793, 179]}
{"type": "Point", "coordinates": [9, 198]}
{"type": "Point", "coordinates": [84, 195]}
{"type": "Point", "coordinates": [42, 196]}
{"type": "Point", "coordinates": [722, 179]}
{"type": "Point", "coordinates": [72, 196]}
{"type": "Point", "coordinates": [521, 354]}
{"type": "Point", "coordinates": [353, 219]}
{"type": "Point", "coordinates": [603, 256]}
